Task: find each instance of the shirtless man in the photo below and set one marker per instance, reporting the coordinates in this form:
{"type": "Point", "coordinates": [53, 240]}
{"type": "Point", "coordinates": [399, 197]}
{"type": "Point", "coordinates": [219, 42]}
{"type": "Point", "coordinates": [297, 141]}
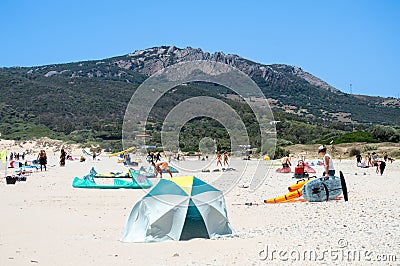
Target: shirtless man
{"type": "Point", "coordinates": [160, 166]}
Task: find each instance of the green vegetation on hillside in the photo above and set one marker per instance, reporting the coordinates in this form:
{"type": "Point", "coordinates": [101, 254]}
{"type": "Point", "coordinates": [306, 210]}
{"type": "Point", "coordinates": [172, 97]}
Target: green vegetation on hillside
{"type": "Point", "coordinates": [85, 102]}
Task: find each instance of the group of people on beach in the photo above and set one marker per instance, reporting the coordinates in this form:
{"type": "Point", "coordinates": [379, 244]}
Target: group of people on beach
{"type": "Point", "coordinates": [373, 160]}
{"type": "Point", "coordinates": [226, 158]}
{"type": "Point", "coordinates": [155, 160]}
{"type": "Point", "coordinates": [17, 156]}
{"type": "Point", "coordinates": [326, 159]}
{"type": "Point", "coordinates": [42, 158]}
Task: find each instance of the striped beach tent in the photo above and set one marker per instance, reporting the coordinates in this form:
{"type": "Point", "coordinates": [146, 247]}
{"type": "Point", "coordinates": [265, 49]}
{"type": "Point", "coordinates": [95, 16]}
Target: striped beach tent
{"type": "Point", "coordinates": [179, 208]}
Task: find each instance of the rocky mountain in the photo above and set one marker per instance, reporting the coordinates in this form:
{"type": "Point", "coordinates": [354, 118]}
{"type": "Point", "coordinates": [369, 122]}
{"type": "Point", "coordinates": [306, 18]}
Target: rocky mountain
{"type": "Point", "coordinates": [93, 94]}
{"type": "Point", "coordinates": [149, 61]}
{"type": "Point", "coordinates": [289, 87]}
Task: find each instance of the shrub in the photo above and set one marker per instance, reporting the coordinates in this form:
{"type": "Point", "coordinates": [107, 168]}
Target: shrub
{"type": "Point", "coordinates": [284, 142]}
{"type": "Point", "coordinates": [359, 136]}
{"type": "Point", "coordinates": [354, 152]}
{"type": "Point", "coordinates": [385, 133]}
{"type": "Point", "coordinates": [395, 154]}
{"type": "Point", "coordinates": [280, 152]}
{"type": "Point", "coordinates": [370, 148]}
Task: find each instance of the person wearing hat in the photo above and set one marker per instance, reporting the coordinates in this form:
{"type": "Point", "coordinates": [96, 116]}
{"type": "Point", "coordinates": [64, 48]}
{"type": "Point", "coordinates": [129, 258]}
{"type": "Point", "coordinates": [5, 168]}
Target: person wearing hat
{"type": "Point", "coordinates": [328, 162]}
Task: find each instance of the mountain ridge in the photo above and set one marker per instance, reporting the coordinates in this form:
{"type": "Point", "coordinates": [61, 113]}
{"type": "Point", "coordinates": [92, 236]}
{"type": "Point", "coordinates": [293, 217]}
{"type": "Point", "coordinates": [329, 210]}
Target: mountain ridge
{"type": "Point", "coordinates": [79, 93]}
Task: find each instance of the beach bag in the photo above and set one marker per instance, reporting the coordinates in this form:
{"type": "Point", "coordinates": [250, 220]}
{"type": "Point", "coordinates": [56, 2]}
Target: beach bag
{"type": "Point", "coordinates": [10, 180]}
{"type": "Point", "coordinates": [299, 169]}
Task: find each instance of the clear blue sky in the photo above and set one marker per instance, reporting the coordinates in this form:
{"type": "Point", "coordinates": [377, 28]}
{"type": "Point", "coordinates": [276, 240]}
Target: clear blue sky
{"type": "Point", "coordinates": [343, 42]}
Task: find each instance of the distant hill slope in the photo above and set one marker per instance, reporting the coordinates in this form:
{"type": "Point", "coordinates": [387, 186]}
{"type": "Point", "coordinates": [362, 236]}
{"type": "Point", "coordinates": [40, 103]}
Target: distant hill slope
{"type": "Point", "coordinates": [93, 95]}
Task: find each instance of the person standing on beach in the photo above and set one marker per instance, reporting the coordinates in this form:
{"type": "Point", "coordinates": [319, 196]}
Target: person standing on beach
{"type": "Point", "coordinates": [157, 157]}
{"type": "Point", "coordinates": [375, 161]}
{"type": "Point", "coordinates": [382, 166]}
{"type": "Point", "coordinates": [369, 162]}
{"type": "Point", "coordinates": [63, 156]}
{"type": "Point", "coordinates": [226, 158]}
{"type": "Point", "coordinates": [385, 156]}
{"type": "Point", "coordinates": [219, 159]}
{"type": "Point", "coordinates": [42, 157]}
{"type": "Point", "coordinates": [358, 156]}
{"type": "Point", "coordinates": [150, 157]}
{"type": "Point", "coordinates": [328, 162]}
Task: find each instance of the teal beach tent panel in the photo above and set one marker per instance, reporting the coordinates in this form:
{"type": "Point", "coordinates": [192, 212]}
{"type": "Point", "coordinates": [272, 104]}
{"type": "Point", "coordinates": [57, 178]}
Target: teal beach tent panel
{"type": "Point", "coordinates": [166, 187]}
{"type": "Point", "coordinates": [170, 212]}
{"type": "Point", "coordinates": [194, 226]}
{"type": "Point", "coordinates": [199, 186]}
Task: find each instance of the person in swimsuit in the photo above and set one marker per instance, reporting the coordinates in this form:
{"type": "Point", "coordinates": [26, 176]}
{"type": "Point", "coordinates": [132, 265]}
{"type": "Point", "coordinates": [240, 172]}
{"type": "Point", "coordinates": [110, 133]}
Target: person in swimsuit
{"type": "Point", "coordinates": [382, 166]}
{"type": "Point", "coordinates": [369, 162]}
{"type": "Point", "coordinates": [157, 157]}
{"type": "Point", "coordinates": [358, 157]}
{"type": "Point", "coordinates": [219, 159]}
{"type": "Point", "coordinates": [42, 157]}
{"type": "Point", "coordinates": [226, 158]}
{"type": "Point", "coordinates": [63, 156]}
{"type": "Point", "coordinates": [160, 166]}
{"type": "Point", "coordinates": [286, 161]}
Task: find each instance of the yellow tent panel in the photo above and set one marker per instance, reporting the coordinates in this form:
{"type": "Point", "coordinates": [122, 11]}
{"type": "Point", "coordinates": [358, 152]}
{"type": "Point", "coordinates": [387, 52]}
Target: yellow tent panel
{"type": "Point", "coordinates": [184, 182]}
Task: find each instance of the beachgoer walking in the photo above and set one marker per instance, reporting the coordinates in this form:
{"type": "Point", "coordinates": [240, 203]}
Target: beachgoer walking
{"type": "Point", "coordinates": [150, 157]}
{"type": "Point", "coordinates": [226, 158]}
{"type": "Point", "coordinates": [328, 162]}
{"type": "Point", "coordinates": [369, 162]}
{"type": "Point", "coordinates": [382, 165]}
{"type": "Point", "coordinates": [42, 157]}
{"type": "Point", "coordinates": [385, 156]}
{"type": "Point", "coordinates": [157, 157]}
{"type": "Point", "coordinates": [63, 156]}
{"type": "Point", "coordinates": [375, 160]}
{"type": "Point", "coordinates": [358, 157]}
{"type": "Point", "coordinates": [219, 159]}
{"type": "Point", "coordinates": [94, 155]}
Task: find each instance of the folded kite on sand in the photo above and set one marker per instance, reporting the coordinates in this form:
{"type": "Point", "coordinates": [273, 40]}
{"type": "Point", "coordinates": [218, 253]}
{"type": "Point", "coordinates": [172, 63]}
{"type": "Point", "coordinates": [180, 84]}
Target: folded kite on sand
{"type": "Point", "coordinates": [138, 182]}
{"type": "Point", "coordinates": [110, 175]}
{"type": "Point", "coordinates": [315, 190]}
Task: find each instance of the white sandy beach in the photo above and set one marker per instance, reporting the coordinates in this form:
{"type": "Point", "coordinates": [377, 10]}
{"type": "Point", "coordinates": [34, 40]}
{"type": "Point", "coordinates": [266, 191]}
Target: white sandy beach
{"type": "Point", "coordinates": [45, 221]}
